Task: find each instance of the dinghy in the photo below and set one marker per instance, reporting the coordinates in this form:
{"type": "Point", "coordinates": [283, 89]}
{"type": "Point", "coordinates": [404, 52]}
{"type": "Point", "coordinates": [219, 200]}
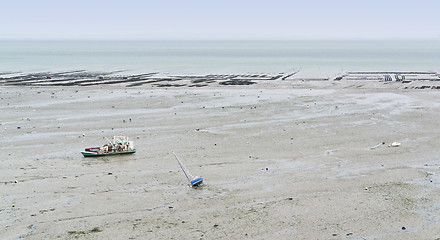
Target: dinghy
{"type": "Point", "coordinates": [194, 181]}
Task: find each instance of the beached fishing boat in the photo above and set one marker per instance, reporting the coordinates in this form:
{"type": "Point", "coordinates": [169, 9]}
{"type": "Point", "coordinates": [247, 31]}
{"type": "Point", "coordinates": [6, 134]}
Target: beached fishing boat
{"type": "Point", "coordinates": [194, 181]}
{"type": "Point", "coordinates": [119, 145]}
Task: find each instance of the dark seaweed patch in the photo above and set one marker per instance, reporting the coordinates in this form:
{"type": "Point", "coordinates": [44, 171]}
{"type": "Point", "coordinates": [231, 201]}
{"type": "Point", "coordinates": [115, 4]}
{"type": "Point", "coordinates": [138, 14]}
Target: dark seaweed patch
{"type": "Point", "coordinates": [237, 82]}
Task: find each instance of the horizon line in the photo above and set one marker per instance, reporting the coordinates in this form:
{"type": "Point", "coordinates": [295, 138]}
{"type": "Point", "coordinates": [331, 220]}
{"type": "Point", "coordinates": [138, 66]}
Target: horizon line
{"type": "Point", "coordinates": [218, 40]}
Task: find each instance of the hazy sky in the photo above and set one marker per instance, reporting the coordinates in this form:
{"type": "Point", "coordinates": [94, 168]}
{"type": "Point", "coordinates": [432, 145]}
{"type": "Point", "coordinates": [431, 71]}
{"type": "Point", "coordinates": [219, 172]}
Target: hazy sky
{"type": "Point", "coordinates": [220, 19]}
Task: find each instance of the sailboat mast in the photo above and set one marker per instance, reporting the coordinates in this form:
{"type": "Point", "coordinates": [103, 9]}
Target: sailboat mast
{"type": "Point", "coordinates": [181, 167]}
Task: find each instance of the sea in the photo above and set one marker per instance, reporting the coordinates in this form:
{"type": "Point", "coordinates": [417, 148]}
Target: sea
{"type": "Point", "coordinates": [307, 58]}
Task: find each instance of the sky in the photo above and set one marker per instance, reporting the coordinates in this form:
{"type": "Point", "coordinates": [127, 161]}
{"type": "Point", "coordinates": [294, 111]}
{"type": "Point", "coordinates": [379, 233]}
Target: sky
{"type": "Point", "coordinates": [220, 19]}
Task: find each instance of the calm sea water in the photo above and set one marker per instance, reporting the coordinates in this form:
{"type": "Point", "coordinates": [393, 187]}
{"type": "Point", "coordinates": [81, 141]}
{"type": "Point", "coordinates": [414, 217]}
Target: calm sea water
{"type": "Point", "coordinates": [311, 58]}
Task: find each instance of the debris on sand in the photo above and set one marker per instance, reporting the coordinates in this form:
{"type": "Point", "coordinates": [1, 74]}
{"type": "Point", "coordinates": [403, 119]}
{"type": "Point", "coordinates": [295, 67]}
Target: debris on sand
{"type": "Point", "coordinates": [378, 145]}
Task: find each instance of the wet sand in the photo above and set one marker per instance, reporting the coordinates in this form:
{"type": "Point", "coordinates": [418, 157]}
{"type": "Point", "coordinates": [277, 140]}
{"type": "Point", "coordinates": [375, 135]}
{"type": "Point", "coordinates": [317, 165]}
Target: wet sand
{"type": "Point", "coordinates": [281, 159]}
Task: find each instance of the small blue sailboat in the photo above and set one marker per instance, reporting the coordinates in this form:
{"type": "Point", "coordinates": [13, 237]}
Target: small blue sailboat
{"type": "Point", "coordinates": [194, 181]}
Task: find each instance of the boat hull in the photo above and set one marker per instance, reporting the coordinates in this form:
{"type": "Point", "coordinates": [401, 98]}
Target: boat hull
{"type": "Point", "coordinates": [196, 182]}
{"type": "Point", "coordinates": [96, 154]}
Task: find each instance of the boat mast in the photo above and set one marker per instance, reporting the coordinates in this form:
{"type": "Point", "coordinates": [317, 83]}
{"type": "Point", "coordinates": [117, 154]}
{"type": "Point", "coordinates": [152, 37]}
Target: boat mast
{"type": "Point", "coordinates": [183, 169]}
{"type": "Point", "coordinates": [108, 141]}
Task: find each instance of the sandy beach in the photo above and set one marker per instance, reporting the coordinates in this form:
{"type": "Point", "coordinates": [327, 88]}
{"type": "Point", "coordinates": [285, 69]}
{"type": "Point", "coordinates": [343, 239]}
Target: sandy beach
{"type": "Point", "coordinates": [281, 159]}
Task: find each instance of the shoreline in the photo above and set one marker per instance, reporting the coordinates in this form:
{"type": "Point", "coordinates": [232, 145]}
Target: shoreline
{"type": "Point", "coordinates": [155, 79]}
